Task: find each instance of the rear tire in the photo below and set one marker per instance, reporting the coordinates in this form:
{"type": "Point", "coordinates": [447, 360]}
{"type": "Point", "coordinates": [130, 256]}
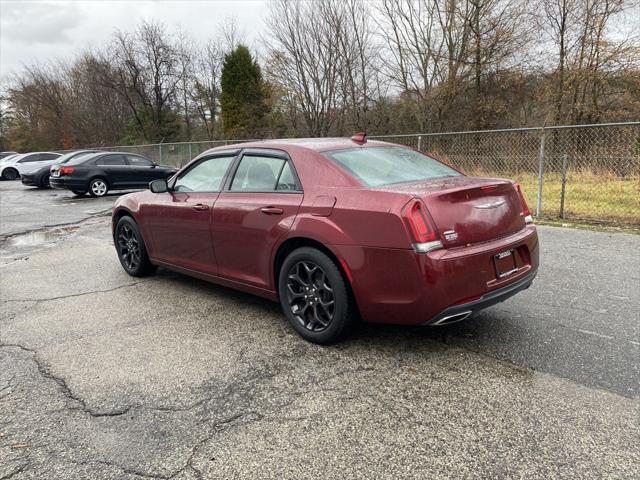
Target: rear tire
{"type": "Point", "coordinates": [131, 249]}
{"type": "Point", "coordinates": [315, 297]}
{"type": "Point", "coordinates": [98, 187]}
{"type": "Point", "coordinates": [10, 174]}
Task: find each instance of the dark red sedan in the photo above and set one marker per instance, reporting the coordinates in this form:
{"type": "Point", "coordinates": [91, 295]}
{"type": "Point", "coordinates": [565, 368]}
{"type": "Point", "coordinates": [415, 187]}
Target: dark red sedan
{"type": "Point", "coordinates": [335, 229]}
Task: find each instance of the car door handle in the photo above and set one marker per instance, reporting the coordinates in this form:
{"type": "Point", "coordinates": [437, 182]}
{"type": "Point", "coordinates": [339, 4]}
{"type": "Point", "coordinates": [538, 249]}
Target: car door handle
{"type": "Point", "coordinates": [201, 207]}
{"type": "Point", "coordinates": [272, 211]}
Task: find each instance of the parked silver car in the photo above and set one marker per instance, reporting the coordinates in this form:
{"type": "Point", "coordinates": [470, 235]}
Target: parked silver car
{"type": "Point", "coordinates": [13, 166]}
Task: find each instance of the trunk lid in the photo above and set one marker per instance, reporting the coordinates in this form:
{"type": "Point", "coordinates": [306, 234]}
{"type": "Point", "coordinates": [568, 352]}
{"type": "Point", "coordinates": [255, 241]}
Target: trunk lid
{"type": "Point", "coordinates": [468, 210]}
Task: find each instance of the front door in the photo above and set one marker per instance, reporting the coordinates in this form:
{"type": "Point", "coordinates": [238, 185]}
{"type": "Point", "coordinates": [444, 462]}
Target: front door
{"type": "Point", "coordinates": [142, 170]}
{"type": "Point", "coordinates": [249, 217]}
{"type": "Point", "coordinates": [179, 221]}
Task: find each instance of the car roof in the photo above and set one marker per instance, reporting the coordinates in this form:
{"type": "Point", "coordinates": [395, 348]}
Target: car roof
{"type": "Point", "coordinates": [105, 152]}
{"type": "Point", "coordinates": [315, 144]}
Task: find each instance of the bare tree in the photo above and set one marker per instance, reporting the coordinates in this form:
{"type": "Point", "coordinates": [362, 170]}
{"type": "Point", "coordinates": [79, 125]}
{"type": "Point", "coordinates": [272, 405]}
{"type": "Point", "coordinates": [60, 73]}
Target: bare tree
{"type": "Point", "coordinates": [303, 50]}
{"type": "Point", "coordinates": [148, 74]}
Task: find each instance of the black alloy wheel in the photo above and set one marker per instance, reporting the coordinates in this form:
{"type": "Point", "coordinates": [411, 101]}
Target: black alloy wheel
{"type": "Point", "coordinates": [45, 181]}
{"type": "Point", "coordinates": [310, 296]}
{"type": "Point", "coordinates": [131, 249]}
{"type": "Point", "coordinates": [10, 174]}
{"type": "Point", "coordinates": [315, 297]}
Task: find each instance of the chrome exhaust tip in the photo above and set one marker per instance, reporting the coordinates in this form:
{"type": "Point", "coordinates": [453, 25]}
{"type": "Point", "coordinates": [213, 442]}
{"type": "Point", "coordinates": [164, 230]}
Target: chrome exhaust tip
{"type": "Point", "coordinates": [458, 317]}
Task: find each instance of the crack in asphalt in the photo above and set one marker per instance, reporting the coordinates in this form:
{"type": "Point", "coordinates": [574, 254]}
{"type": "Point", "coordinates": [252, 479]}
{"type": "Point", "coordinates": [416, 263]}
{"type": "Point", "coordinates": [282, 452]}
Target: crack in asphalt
{"type": "Point", "coordinates": [102, 213]}
{"type": "Point", "coordinates": [16, 471]}
{"type": "Point", "coordinates": [240, 388]}
{"type": "Point", "coordinates": [46, 372]}
{"type": "Point", "coordinates": [73, 295]}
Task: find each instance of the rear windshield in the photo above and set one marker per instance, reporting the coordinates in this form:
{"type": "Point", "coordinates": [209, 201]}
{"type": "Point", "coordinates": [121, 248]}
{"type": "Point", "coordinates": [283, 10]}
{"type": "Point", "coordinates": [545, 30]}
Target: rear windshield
{"type": "Point", "coordinates": [376, 166]}
{"type": "Point", "coordinates": [68, 156]}
{"type": "Point", "coordinates": [80, 158]}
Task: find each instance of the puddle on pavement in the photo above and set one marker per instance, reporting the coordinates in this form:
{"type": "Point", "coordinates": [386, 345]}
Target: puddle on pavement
{"type": "Point", "coordinates": [38, 237]}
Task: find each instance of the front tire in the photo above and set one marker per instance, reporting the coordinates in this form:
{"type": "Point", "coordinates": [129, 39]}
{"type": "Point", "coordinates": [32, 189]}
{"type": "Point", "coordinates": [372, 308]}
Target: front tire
{"type": "Point", "coordinates": [315, 297]}
{"type": "Point", "coordinates": [131, 249]}
{"type": "Point", "coordinates": [98, 187]}
{"type": "Point", "coordinates": [10, 174]}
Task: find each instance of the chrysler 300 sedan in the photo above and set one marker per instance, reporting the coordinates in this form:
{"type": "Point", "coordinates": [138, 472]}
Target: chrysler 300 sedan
{"type": "Point", "coordinates": [335, 230]}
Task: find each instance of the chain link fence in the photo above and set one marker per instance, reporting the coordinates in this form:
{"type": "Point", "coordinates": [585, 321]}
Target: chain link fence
{"type": "Point", "coordinates": [582, 173]}
{"type": "Point", "coordinates": [579, 173]}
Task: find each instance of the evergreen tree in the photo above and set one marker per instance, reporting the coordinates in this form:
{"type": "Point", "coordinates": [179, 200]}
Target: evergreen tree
{"type": "Point", "coordinates": [243, 97]}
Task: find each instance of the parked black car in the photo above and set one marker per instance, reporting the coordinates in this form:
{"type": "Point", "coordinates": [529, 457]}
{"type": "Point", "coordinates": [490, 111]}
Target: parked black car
{"type": "Point", "coordinates": [40, 177]}
{"type": "Point", "coordinates": [104, 171]}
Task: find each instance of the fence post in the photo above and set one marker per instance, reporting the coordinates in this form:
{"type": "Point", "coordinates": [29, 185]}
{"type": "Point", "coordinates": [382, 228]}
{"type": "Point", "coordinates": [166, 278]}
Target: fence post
{"type": "Point", "coordinates": [540, 173]}
{"type": "Point", "coordinates": [160, 153]}
{"type": "Point", "coordinates": [420, 143]}
{"type": "Point", "coordinates": [190, 155]}
{"type": "Point", "coordinates": [565, 162]}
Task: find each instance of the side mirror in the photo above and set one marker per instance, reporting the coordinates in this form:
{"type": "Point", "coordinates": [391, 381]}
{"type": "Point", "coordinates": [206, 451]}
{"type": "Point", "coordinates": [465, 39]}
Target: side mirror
{"type": "Point", "coordinates": [154, 165]}
{"type": "Point", "coordinates": [159, 186]}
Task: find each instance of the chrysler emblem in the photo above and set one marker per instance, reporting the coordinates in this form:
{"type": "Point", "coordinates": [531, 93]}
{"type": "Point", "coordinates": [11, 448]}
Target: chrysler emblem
{"type": "Point", "coordinates": [490, 205]}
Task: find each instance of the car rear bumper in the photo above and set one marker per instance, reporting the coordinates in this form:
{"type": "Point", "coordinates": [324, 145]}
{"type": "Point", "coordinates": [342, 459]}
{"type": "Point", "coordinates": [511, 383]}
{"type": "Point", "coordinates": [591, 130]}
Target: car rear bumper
{"type": "Point", "coordinates": [403, 287]}
{"type": "Point", "coordinates": [68, 183]}
{"type": "Point", "coordinates": [460, 312]}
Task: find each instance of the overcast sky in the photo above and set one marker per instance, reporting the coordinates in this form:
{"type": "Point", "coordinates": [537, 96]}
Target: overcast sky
{"type": "Point", "coordinates": [39, 30]}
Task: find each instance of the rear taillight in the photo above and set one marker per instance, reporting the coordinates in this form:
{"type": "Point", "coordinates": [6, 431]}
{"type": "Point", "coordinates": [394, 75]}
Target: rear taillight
{"type": "Point", "coordinates": [526, 213]}
{"type": "Point", "coordinates": [420, 226]}
{"type": "Point", "coordinates": [66, 171]}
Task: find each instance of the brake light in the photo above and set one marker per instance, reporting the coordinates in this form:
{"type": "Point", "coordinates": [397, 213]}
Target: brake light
{"type": "Point", "coordinates": [66, 171]}
{"type": "Point", "coordinates": [526, 213]}
{"type": "Point", "coordinates": [421, 229]}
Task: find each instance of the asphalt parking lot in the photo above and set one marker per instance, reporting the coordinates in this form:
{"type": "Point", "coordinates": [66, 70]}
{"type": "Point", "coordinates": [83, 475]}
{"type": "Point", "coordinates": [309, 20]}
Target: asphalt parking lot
{"type": "Point", "coordinates": [105, 376]}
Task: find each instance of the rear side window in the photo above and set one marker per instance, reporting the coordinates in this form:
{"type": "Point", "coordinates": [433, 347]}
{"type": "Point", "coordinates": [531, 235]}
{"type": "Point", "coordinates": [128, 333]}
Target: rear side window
{"type": "Point", "coordinates": [48, 156]}
{"type": "Point", "coordinates": [111, 160]}
{"type": "Point", "coordinates": [262, 174]}
{"type": "Point", "coordinates": [377, 166]}
{"type": "Point", "coordinates": [139, 161]}
{"type": "Point", "coordinates": [287, 181]}
{"type": "Point", "coordinates": [206, 176]}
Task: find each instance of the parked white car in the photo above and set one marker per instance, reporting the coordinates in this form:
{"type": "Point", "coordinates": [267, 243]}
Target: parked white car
{"type": "Point", "coordinates": [13, 166]}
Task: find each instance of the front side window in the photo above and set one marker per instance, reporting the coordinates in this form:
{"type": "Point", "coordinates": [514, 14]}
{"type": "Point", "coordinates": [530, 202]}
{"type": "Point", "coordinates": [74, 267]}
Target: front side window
{"type": "Point", "coordinates": [258, 174]}
{"type": "Point", "coordinates": [206, 176]}
{"type": "Point", "coordinates": [377, 166]}
{"type": "Point", "coordinates": [111, 160]}
{"type": "Point", "coordinates": [30, 158]}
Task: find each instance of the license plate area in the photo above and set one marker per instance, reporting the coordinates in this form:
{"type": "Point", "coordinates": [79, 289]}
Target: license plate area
{"type": "Point", "coordinates": [505, 263]}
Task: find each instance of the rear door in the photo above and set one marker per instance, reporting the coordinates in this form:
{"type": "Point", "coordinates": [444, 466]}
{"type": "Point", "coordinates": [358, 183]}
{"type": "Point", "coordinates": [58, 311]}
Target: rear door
{"type": "Point", "coordinates": [257, 207]}
{"type": "Point", "coordinates": [180, 220]}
